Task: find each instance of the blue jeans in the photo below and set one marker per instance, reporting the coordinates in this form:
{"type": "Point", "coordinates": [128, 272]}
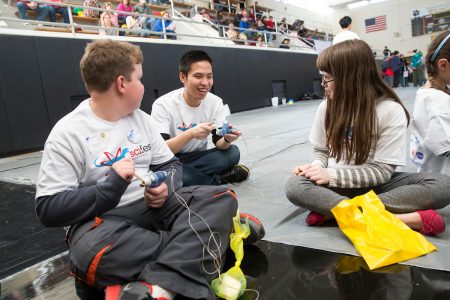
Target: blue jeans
{"type": "Point", "coordinates": [204, 167]}
{"type": "Point", "coordinates": [42, 11]}
{"type": "Point", "coordinates": [61, 10]}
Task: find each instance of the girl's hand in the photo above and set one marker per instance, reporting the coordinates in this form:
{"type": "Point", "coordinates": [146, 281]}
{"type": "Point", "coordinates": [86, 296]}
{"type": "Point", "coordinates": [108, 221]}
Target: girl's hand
{"type": "Point", "coordinates": [316, 174]}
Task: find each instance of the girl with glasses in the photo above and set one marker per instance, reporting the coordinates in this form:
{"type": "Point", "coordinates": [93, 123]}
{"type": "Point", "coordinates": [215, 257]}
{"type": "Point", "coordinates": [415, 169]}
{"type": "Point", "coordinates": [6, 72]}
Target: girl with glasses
{"type": "Point", "coordinates": [359, 139]}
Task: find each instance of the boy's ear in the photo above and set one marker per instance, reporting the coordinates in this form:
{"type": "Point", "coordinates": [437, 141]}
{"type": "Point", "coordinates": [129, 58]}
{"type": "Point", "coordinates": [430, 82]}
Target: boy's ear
{"type": "Point", "coordinates": [183, 77]}
{"type": "Point", "coordinates": [120, 84]}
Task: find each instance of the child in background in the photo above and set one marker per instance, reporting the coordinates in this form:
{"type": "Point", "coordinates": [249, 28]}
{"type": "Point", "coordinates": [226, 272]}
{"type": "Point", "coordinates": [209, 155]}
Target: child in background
{"type": "Point", "coordinates": [121, 232]}
{"type": "Point", "coordinates": [108, 20]}
{"type": "Point", "coordinates": [359, 135]}
{"type": "Point", "coordinates": [430, 138]}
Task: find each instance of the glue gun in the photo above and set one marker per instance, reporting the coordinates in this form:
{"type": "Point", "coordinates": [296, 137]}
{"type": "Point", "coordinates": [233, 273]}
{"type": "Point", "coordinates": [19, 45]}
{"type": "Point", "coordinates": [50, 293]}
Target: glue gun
{"type": "Point", "coordinates": [152, 179]}
{"type": "Point", "coordinates": [225, 129]}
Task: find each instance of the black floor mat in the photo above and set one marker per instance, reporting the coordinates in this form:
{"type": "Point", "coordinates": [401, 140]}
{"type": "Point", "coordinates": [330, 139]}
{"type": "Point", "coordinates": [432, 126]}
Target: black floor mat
{"type": "Point", "coordinates": [23, 240]}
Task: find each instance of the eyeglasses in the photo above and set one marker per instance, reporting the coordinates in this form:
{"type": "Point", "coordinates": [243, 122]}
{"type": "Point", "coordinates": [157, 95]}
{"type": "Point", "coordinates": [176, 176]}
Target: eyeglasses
{"type": "Point", "coordinates": [324, 82]}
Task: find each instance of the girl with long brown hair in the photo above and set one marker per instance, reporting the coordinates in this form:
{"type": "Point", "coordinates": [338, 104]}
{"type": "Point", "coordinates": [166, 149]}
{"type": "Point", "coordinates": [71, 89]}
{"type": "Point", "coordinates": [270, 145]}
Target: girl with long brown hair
{"type": "Point", "coordinates": [430, 137]}
{"type": "Point", "coordinates": [359, 137]}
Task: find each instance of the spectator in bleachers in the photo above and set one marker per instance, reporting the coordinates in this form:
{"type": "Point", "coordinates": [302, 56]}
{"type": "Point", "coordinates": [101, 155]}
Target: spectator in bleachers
{"type": "Point", "coordinates": [90, 12]}
{"type": "Point", "coordinates": [260, 26]}
{"type": "Point", "coordinates": [23, 6]}
{"type": "Point", "coordinates": [108, 21]}
{"type": "Point", "coordinates": [168, 25]}
{"type": "Point", "coordinates": [244, 26]}
{"type": "Point", "coordinates": [270, 26]}
{"type": "Point", "coordinates": [147, 22]}
{"type": "Point", "coordinates": [315, 35]}
{"type": "Point", "coordinates": [204, 13]}
{"type": "Point", "coordinates": [283, 28]}
{"type": "Point", "coordinates": [345, 33]}
{"type": "Point", "coordinates": [220, 20]}
{"type": "Point", "coordinates": [260, 41]}
{"type": "Point", "coordinates": [301, 32]}
{"type": "Point", "coordinates": [126, 7]}
{"type": "Point", "coordinates": [54, 9]}
{"type": "Point", "coordinates": [285, 44]}
{"type": "Point", "coordinates": [251, 16]}
{"type": "Point", "coordinates": [112, 16]}
{"type": "Point", "coordinates": [231, 33]}
{"type": "Point", "coordinates": [134, 24]}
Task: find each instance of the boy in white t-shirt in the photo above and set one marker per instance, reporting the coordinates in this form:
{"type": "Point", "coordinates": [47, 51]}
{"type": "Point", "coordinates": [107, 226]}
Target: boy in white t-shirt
{"type": "Point", "coordinates": [345, 33]}
{"type": "Point", "coordinates": [187, 117]}
{"type": "Point", "coordinates": [122, 233]}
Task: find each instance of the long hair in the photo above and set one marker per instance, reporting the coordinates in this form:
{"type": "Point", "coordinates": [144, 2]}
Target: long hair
{"type": "Point", "coordinates": [444, 52]}
{"type": "Point", "coordinates": [350, 118]}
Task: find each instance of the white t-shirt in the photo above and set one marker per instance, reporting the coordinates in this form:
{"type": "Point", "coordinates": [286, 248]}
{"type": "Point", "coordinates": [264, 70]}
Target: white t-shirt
{"type": "Point", "coordinates": [82, 147]}
{"type": "Point", "coordinates": [430, 131]}
{"type": "Point", "coordinates": [345, 35]}
{"type": "Point", "coordinates": [388, 146]}
{"type": "Point", "coordinates": [173, 116]}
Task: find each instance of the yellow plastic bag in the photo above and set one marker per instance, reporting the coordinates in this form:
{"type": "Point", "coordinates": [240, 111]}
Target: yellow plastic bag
{"type": "Point", "coordinates": [378, 236]}
{"type": "Point", "coordinates": [232, 284]}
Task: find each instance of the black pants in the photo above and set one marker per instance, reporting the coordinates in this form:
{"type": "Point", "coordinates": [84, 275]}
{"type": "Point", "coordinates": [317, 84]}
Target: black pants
{"type": "Point", "coordinates": [158, 246]}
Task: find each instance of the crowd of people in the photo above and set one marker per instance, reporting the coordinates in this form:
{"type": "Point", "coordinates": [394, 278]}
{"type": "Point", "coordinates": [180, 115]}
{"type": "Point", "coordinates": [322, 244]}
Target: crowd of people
{"type": "Point", "coordinates": [139, 18]}
{"type": "Point", "coordinates": [397, 70]}
{"type": "Point", "coordinates": [245, 28]}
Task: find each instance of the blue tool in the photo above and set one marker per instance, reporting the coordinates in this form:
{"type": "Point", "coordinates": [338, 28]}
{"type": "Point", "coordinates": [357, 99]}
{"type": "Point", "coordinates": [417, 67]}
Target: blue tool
{"type": "Point", "coordinates": [153, 179]}
{"type": "Point", "coordinates": [225, 129]}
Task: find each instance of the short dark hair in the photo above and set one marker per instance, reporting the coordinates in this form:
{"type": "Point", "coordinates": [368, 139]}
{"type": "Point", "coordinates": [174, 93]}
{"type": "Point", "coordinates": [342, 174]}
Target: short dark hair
{"type": "Point", "coordinates": [345, 22]}
{"type": "Point", "coordinates": [191, 57]}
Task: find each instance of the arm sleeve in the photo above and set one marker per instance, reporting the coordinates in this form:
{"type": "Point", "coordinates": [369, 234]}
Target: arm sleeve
{"type": "Point", "coordinates": [372, 175]}
{"type": "Point", "coordinates": [82, 204]}
{"type": "Point", "coordinates": [437, 137]}
{"type": "Point", "coordinates": [161, 117]}
{"type": "Point", "coordinates": [320, 157]}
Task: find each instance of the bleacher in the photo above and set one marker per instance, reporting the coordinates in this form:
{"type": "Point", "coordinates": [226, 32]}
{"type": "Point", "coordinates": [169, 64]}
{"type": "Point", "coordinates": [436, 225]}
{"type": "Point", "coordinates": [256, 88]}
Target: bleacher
{"type": "Point", "coordinates": [187, 28]}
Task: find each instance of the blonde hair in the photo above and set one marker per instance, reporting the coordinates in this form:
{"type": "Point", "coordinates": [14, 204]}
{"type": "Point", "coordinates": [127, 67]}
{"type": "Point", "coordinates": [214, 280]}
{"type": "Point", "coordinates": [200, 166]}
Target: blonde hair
{"type": "Point", "coordinates": [357, 86]}
{"type": "Point", "coordinates": [104, 60]}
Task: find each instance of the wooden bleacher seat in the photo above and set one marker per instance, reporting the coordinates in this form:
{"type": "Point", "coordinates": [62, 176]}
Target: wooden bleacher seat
{"type": "Point", "coordinates": [85, 20]}
{"type": "Point", "coordinates": [33, 15]}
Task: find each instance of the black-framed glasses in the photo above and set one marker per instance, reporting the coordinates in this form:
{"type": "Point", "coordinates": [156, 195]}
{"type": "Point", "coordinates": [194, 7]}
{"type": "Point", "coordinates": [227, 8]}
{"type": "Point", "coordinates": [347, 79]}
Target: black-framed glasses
{"type": "Point", "coordinates": [324, 82]}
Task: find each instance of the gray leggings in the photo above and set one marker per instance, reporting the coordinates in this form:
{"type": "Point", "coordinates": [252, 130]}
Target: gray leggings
{"type": "Point", "coordinates": [405, 192]}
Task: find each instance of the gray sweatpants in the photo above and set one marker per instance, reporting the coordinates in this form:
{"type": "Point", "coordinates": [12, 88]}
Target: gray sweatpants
{"type": "Point", "coordinates": [158, 246]}
{"type": "Point", "coordinates": [405, 192]}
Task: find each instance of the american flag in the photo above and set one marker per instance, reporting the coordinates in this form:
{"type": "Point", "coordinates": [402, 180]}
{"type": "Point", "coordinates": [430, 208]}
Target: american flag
{"type": "Point", "coordinates": [376, 24]}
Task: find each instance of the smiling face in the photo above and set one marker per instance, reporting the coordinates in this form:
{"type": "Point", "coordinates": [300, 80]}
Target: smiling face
{"type": "Point", "coordinates": [197, 83]}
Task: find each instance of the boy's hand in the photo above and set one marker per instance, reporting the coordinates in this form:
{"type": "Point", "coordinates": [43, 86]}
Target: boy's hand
{"type": "Point", "coordinates": [125, 168]}
{"type": "Point", "coordinates": [231, 137]}
{"type": "Point", "coordinates": [316, 174]}
{"type": "Point", "coordinates": [156, 197]}
{"type": "Point", "coordinates": [201, 131]}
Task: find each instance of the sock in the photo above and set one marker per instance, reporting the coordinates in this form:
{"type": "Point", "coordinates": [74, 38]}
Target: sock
{"type": "Point", "coordinates": [161, 293]}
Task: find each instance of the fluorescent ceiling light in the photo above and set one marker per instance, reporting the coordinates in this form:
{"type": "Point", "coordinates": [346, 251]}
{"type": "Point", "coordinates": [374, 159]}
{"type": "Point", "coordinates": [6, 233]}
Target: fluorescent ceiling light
{"type": "Point", "coordinates": [376, 1]}
{"type": "Point", "coordinates": [357, 4]}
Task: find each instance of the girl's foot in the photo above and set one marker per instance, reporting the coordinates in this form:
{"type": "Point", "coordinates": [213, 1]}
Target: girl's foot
{"type": "Point", "coordinates": [433, 223]}
{"type": "Point", "coordinates": [314, 218]}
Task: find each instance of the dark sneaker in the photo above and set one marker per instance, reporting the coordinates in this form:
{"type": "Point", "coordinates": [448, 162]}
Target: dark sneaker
{"type": "Point", "coordinates": [130, 291]}
{"type": "Point", "coordinates": [257, 231]}
{"type": "Point", "coordinates": [237, 173]}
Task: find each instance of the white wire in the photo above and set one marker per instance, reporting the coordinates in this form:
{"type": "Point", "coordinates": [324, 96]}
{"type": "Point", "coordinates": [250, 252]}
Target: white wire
{"type": "Point", "coordinates": [217, 257]}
